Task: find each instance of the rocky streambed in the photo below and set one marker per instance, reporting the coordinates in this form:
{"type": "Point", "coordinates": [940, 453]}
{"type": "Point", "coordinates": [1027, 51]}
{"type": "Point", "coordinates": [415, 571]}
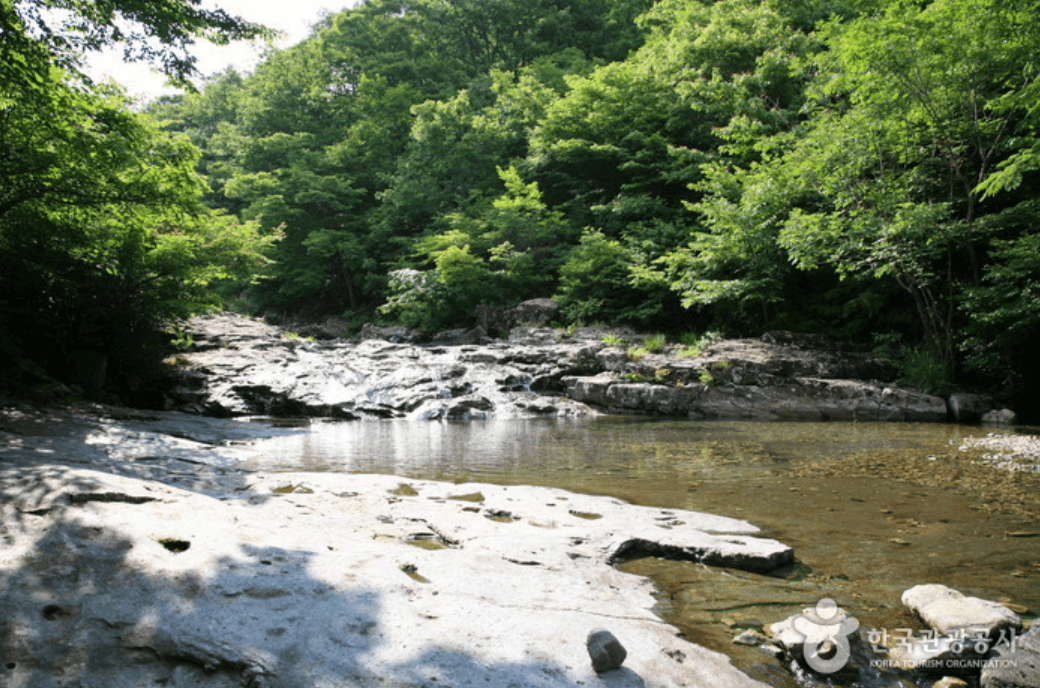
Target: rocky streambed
{"type": "Point", "coordinates": [238, 366]}
{"type": "Point", "coordinates": [138, 549]}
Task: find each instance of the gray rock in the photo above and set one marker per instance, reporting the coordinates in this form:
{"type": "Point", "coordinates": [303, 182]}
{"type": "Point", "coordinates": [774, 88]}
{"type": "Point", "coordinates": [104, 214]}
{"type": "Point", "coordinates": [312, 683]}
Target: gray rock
{"type": "Point", "coordinates": [750, 637]}
{"type": "Point", "coordinates": [1015, 665]}
{"type": "Point", "coordinates": [797, 399]}
{"type": "Point", "coordinates": [606, 651]}
{"type": "Point", "coordinates": [942, 655]}
{"type": "Point", "coordinates": [757, 555]}
{"type": "Point", "coordinates": [950, 682]}
{"type": "Point", "coordinates": [390, 334]}
{"type": "Point", "coordinates": [246, 367]}
{"type": "Point", "coordinates": [373, 377]}
{"type": "Point", "coordinates": [473, 335]}
{"type": "Point", "coordinates": [534, 336]}
{"type": "Point", "coordinates": [498, 321]}
{"type": "Point", "coordinates": [999, 417]}
{"type": "Point", "coordinates": [612, 358]}
{"type": "Point", "coordinates": [969, 408]}
{"type": "Point", "coordinates": [949, 611]}
{"type": "Point", "coordinates": [536, 312]}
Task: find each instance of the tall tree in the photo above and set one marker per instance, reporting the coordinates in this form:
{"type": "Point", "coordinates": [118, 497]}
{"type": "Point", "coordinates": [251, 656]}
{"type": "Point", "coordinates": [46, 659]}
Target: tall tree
{"type": "Point", "coordinates": [906, 132]}
{"type": "Point", "coordinates": [102, 235]}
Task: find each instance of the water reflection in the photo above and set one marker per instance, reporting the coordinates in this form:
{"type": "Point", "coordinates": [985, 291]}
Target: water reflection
{"type": "Point", "coordinates": [649, 460]}
{"type": "Point", "coordinates": [867, 525]}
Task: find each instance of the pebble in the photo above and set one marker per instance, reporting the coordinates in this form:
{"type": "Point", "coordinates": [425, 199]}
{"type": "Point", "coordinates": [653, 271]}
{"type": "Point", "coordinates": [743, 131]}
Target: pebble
{"type": "Point", "coordinates": [950, 682]}
{"type": "Point", "coordinates": [1010, 452]}
{"type": "Point", "coordinates": [606, 651]}
{"type": "Point", "coordinates": [750, 637]}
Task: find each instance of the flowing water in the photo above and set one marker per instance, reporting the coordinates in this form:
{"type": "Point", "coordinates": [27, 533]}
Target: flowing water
{"type": "Point", "coordinates": [870, 509]}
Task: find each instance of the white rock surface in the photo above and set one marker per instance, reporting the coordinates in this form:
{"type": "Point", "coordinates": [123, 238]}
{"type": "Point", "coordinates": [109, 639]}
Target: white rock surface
{"type": "Point", "coordinates": [326, 580]}
{"type": "Point", "coordinates": [949, 611]}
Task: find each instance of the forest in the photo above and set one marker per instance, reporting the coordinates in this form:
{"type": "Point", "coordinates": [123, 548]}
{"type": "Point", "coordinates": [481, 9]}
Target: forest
{"type": "Point", "coordinates": [864, 169]}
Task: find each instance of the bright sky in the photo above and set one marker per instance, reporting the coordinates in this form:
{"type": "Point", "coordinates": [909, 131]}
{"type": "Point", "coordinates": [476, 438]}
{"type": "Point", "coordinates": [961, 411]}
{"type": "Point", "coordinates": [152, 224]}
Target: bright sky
{"type": "Point", "coordinates": [292, 17]}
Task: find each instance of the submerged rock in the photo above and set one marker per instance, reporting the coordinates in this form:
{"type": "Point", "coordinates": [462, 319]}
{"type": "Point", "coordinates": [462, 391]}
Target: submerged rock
{"type": "Point", "coordinates": [750, 637]}
{"type": "Point", "coordinates": [950, 654]}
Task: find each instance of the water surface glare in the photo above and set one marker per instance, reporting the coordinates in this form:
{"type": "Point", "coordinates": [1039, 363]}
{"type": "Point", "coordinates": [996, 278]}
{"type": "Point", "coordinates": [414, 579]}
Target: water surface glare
{"type": "Point", "coordinates": [871, 509]}
{"type": "Point", "coordinates": [548, 451]}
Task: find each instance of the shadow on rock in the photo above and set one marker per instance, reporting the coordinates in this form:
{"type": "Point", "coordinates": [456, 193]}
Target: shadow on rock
{"type": "Point", "coordinates": [83, 605]}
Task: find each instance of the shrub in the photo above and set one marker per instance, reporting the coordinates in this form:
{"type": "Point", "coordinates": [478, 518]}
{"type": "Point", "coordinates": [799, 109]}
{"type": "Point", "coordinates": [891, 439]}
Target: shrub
{"type": "Point", "coordinates": [655, 343]}
{"type": "Point", "coordinates": [924, 371]}
{"type": "Point", "coordinates": [636, 353]}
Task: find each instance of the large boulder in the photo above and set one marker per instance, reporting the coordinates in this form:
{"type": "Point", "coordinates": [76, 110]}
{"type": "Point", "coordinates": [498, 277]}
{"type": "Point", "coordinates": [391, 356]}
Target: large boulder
{"type": "Point", "coordinates": [535, 312]}
{"type": "Point", "coordinates": [498, 321]}
{"type": "Point", "coordinates": [969, 408]}
{"type": "Point", "coordinates": [798, 399]}
{"type": "Point", "coordinates": [395, 334]}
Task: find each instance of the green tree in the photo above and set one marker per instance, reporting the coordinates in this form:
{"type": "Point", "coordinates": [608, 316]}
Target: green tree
{"type": "Point", "coordinates": [599, 283]}
{"type": "Point", "coordinates": [390, 116]}
{"type": "Point", "coordinates": [39, 33]}
{"type": "Point", "coordinates": [101, 233]}
{"type": "Point", "coordinates": [602, 152]}
{"type": "Point", "coordinates": [511, 245]}
{"type": "Point", "coordinates": [454, 149]}
{"type": "Point", "coordinates": [894, 175]}
{"type": "Point", "coordinates": [102, 236]}
{"type": "Point", "coordinates": [735, 72]}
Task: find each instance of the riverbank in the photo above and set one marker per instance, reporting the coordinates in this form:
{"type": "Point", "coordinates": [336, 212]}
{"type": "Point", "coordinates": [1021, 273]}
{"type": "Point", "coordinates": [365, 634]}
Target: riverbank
{"type": "Point", "coordinates": [238, 366]}
{"type": "Point", "coordinates": [168, 506]}
{"type": "Point", "coordinates": [136, 553]}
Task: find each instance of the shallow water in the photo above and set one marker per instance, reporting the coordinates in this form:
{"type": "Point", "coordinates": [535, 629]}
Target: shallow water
{"type": "Point", "coordinates": [910, 509]}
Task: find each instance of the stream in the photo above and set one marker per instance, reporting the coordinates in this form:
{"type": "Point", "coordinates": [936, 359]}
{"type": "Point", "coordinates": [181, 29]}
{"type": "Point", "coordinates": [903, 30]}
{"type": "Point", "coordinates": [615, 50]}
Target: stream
{"type": "Point", "coordinates": [871, 509]}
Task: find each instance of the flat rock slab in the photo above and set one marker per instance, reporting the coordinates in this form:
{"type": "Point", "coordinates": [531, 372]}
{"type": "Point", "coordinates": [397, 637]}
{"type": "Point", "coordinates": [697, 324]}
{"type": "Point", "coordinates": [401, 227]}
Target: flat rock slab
{"type": "Point", "coordinates": [949, 611]}
{"type": "Point", "coordinates": [304, 580]}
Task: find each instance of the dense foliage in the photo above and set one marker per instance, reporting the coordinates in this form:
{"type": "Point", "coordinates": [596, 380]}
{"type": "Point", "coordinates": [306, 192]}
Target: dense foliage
{"type": "Point", "coordinates": [864, 168]}
{"type": "Point", "coordinates": [103, 236]}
